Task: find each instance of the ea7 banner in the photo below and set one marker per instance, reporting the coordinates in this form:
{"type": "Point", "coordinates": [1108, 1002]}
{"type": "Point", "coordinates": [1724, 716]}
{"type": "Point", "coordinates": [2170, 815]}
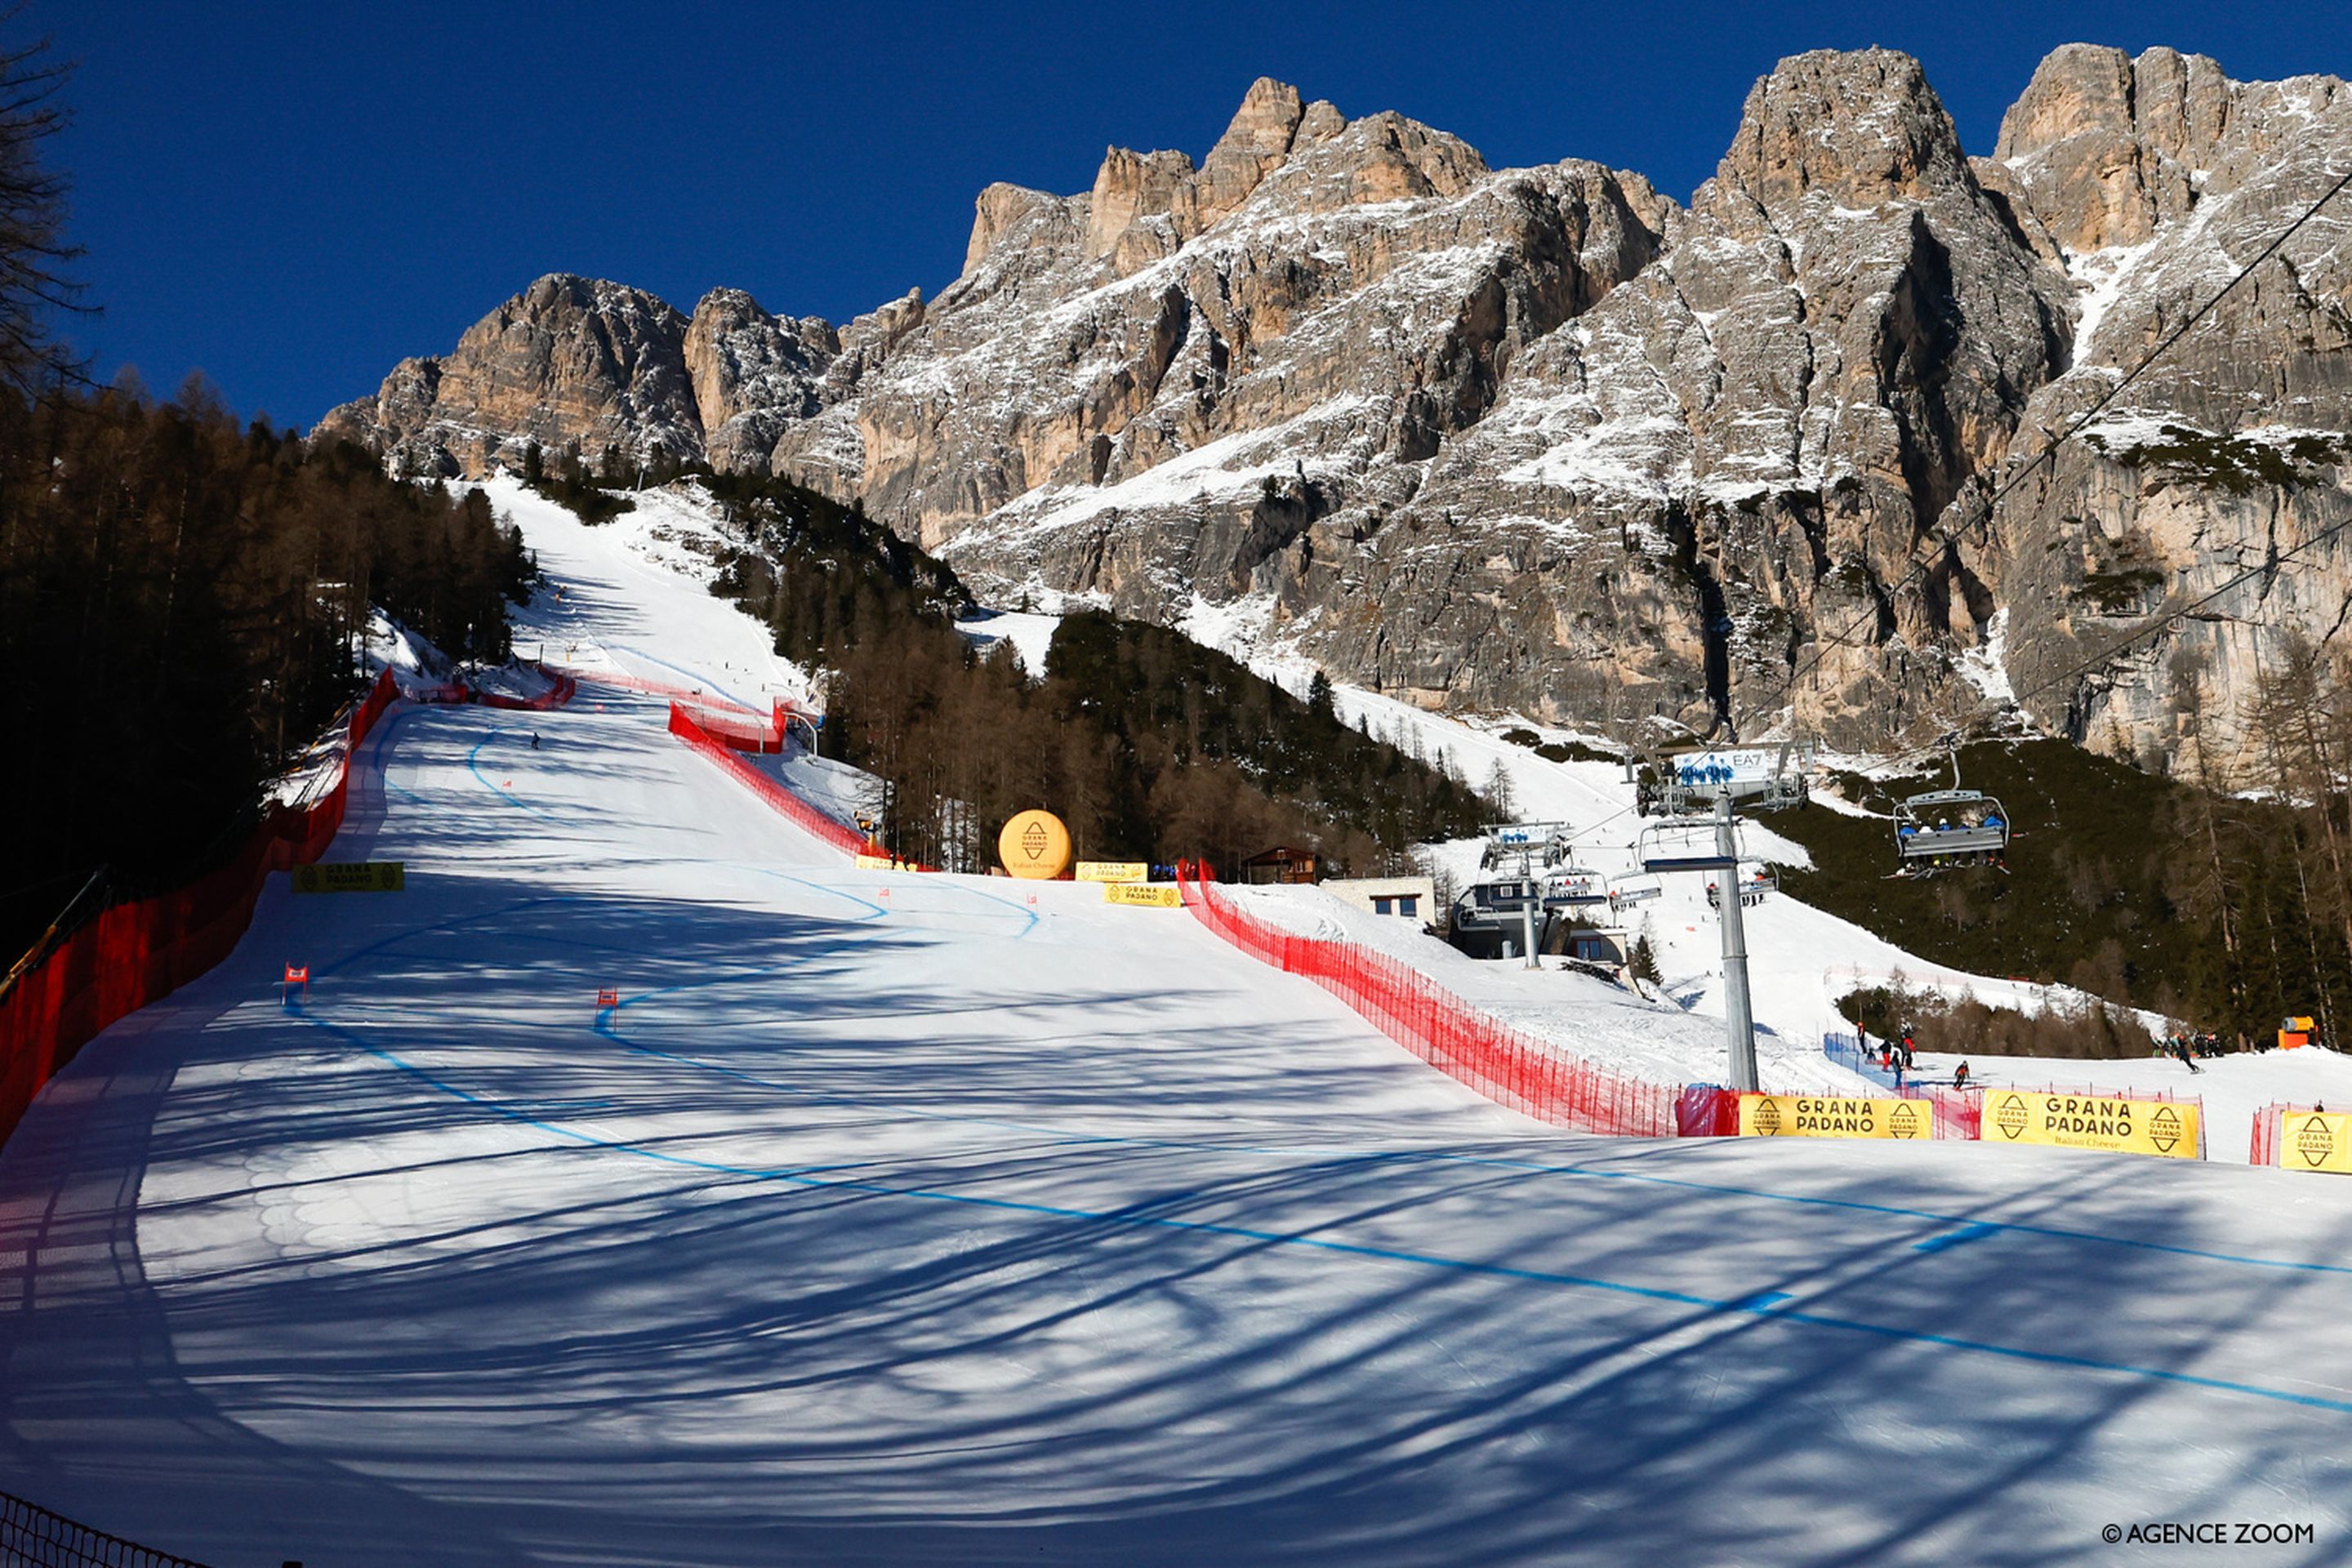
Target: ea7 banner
{"type": "Point", "coordinates": [2092, 1121]}
{"type": "Point", "coordinates": [1811, 1116]}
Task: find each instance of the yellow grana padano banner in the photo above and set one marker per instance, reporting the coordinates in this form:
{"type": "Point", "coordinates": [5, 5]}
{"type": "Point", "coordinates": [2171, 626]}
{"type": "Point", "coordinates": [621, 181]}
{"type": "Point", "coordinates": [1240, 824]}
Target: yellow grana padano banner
{"type": "Point", "coordinates": [2092, 1121]}
{"type": "Point", "coordinates": [875, 862]}
{"type": "Point", "coordinates": [1151, 895]}
{"type": "Point", "coordinates": [1812, 1116]}
{"type": "Point", "coordinates": [2315, 1141]}
{"type": "Point", "coordinates": [1112, 871]}
{"type": "Point", "coordinates": [351, 877]}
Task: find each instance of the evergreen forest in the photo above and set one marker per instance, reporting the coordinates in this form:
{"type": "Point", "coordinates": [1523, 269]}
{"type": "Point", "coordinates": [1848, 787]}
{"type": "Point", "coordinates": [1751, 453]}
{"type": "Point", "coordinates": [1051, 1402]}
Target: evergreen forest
{"type": "Point", "coordinates": [182, 604]}
{"type": "Point", "coordinates": [1149, 745]}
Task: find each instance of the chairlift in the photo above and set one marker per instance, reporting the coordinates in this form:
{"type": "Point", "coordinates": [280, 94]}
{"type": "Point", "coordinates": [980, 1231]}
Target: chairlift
{"type": "Point", "coordinates": [1753, 888]}
{"type": "Point", "coordinates": [1949, 829]}
{"type": "Point", "coordinates": [1639, 889]}
{"type": "Point", "coordinates": [1686, 844]}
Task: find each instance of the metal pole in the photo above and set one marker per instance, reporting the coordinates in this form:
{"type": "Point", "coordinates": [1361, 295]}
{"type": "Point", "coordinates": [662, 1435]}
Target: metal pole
{"type": "Point", "coordinates": [1528, 922]}
{"type": "Point", "coordinates": [1737, 1017]}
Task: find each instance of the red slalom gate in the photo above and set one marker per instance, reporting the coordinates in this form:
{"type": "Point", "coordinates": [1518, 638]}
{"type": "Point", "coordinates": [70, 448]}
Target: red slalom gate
{"type": "Point", "coordinates": [1503, 1064]}
{"type": "Point", "coordinates": [141, 951]}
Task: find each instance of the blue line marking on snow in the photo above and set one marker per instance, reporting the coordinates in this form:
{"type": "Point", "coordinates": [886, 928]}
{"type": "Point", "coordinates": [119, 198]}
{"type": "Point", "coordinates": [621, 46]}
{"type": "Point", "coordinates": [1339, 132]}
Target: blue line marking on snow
{"type": "Point", "coordinates": [1140, 1217]}
{"type": "Point", "coordinates": [1961, 1237]}
{"type": "Point", "coordinates": [1017, 909]}
{"type": "Point", "coordinates": [1974, 1229]}
{"type": "Point", "coordinates": [694, 675]}
{"type": "Point", "coordinates": [473, 765]}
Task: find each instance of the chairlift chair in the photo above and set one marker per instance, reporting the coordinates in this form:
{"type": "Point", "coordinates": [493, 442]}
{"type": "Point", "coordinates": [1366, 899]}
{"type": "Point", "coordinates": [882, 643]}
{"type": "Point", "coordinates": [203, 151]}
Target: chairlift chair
{"type": "Point", "coordinates": [1949, 827]}
{"type": "Point", "coordinates": [1685, 845]}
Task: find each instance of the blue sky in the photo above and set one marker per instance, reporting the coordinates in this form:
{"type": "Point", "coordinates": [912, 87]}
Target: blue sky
{"type": "Point", "coordinates": [292, 198]}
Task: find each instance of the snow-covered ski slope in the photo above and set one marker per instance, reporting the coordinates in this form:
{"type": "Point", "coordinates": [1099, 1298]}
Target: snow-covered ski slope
{"type": "Point", "coordinates": [893, 1219]}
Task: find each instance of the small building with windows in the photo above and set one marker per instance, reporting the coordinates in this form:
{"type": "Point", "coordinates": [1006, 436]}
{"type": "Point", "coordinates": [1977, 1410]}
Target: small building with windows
{"type": "Point", "coordinates": [1406, 897]}
{"type": "Point", "coordinates": [1283, 863]}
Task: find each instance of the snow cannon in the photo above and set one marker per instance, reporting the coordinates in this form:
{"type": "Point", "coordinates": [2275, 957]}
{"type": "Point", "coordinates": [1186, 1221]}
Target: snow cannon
{"type": "Point", "coordinates": [1035, 845]}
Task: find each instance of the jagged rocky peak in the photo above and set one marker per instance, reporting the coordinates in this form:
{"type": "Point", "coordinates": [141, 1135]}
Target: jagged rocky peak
{"type": "Point", "coordinates": [1254, 146]}
{"type": "Point", "coordinates": [569, 360]}
{"type": "Point", "coordinates": [1858, 129]}
{"type": "Point", "coordinates": [1131, 185]}
{"type": "Point", "coordinates": [2106, 147]}
{"type": "Point", "coordinates": [1164, 192]}
{"type": "Point", "coordinates": [754, 373]}
{"type": "Point", "coordinates": [1001, 210]}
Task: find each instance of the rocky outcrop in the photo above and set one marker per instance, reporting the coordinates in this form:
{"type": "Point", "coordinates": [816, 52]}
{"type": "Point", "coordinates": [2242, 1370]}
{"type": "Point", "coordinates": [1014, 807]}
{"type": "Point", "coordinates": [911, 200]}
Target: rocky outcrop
{"type": "Point", "coordinates": [754, 375]}
{"type": "Point", "coordinates": [1544, 440]}
{"type": "Point", "coordinates": [2162, 180]}
{"type": "Point", "coordinates": [569, 362]}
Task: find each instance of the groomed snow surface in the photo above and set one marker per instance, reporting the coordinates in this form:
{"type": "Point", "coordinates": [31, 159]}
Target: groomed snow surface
{"type": "Point", "coordinates": [897, 1219]}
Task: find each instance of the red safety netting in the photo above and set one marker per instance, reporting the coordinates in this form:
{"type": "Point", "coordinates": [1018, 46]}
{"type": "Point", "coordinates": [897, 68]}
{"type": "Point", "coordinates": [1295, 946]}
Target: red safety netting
{"type": "Point", "coordinates": [627, 682]}
{"type": "Point", "coordinates": [799, 813]}
{"type": "Point", "coordinates": [555, 696]}
{"type": "Point", "coordinates": [2265, 1150]}
{"type": "Point", "coordinates": [1502, 1063]}
{"type": "Point", "coordinates": [138, 951]}
{"type": "Point", "coordinates": [737, 730]}
{"type": "Point", "coordinates": [1959, 1113]}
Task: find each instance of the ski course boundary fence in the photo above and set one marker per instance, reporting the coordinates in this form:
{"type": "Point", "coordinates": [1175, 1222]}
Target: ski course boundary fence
{"type": "Point", "coordinates": [1506, 1065]}
{"type": "Point", "coordinates": [141, 950]}
{"type": "Point", "coordinates": [2302, 1138]}
{"type": "Point", "coordinates": [38, 1538]}
{"type": "Point", "coordinates": [558, 694]}
{"type": "Point", "coordinates": [792, 807]}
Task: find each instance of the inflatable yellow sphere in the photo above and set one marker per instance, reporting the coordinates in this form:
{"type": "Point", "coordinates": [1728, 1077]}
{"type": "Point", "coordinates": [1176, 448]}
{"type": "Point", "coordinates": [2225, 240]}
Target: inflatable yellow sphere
{"type": "Point", "coordinates": [1035, 845]}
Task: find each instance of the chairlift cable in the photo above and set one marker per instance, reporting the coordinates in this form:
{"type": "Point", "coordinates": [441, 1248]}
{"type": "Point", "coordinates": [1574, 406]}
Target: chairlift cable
{"type": "Point", "coordinates": [1944, 537]}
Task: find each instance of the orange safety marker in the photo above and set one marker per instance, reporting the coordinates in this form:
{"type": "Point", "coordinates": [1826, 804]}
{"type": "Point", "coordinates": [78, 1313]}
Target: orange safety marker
{"type": "Point", "coordinates": [296, 975]}
{"type": "Point", "coordinates": [608, 998]}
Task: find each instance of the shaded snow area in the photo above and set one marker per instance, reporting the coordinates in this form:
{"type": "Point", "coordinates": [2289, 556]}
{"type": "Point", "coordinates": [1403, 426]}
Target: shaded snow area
{"type": "Point", "coordinates": [903, 1219]}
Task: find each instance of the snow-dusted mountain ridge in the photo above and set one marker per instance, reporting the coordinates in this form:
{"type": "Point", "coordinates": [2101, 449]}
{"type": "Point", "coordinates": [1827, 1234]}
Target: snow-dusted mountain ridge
{"type": "Point", "coordinates": [1545, 440]}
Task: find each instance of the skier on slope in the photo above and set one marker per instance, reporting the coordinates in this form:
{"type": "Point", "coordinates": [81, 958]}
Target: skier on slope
{"type": "Point", "coordinates": [1960, 1076]}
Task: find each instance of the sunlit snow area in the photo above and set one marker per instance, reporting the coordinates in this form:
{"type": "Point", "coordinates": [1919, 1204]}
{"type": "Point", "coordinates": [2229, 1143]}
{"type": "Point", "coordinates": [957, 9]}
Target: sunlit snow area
{"type": "Point", "coordinates": [917, 1219]}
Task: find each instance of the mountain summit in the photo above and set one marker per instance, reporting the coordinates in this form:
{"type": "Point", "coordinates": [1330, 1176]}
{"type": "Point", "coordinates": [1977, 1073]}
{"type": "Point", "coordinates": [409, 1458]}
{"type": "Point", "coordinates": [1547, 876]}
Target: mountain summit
{"type": "Point", "coordinates": [1545, 440]}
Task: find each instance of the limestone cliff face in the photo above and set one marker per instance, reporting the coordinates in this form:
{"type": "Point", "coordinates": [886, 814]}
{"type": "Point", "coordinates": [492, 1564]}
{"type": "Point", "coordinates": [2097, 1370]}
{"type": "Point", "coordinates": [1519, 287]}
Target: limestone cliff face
{"type": "Point", "coordinates": [1544, 440]}
{"type": "Point", "coordinates": [569, 360]}
{"type": "Point", "coordinates": [2160, 179]}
